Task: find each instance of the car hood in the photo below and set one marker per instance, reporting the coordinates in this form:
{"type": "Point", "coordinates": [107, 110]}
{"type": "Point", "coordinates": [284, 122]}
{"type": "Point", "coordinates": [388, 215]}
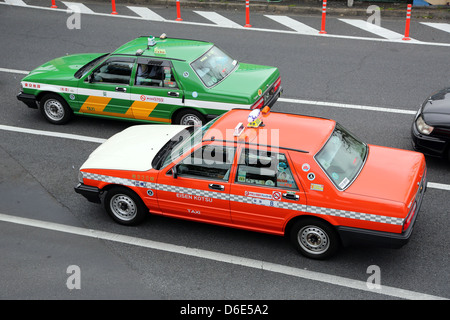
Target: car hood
{"type": "Point", "coordinates": [61, 68]}
{"type": "Point", "coordinates": [132, 149]}
{"type": "Point", "coordinates": [390, 174]}
{"type": "Point", "coordinates": [436, 109]}
{"type": "Point", "coordinates": [247, 80]}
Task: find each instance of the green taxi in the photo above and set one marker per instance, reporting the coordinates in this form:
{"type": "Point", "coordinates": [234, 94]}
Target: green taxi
{"type": "Point", "coordinates": [152, 79]}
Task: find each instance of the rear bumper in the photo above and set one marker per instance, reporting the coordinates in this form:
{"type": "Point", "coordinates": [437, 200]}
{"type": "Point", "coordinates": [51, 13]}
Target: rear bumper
{"type": "Point", "coordinates": [28, 99]}
{"type": "Point", "coordinates": [274, 97]}
{"type": "Point", "coordinates": [92, 194]}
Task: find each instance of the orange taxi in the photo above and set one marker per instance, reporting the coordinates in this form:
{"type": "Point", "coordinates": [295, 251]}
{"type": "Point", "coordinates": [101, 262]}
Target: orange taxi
{"type": "Point", "coordinates": [304, 177]}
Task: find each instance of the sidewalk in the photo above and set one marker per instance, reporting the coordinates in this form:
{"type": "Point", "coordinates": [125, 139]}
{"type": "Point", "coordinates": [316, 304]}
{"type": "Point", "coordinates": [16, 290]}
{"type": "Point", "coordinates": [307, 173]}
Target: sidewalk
{"type": "Point", "coordinates": [334, 7]}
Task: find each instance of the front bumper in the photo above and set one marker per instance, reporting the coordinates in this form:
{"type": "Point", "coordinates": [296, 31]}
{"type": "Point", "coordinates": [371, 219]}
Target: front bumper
{"type": "Point", "coordinates": [28, 99]}
{"type": "Point", "coordinates": [92, 194]}
{"type": "Point", "coordinates": [429, 145]}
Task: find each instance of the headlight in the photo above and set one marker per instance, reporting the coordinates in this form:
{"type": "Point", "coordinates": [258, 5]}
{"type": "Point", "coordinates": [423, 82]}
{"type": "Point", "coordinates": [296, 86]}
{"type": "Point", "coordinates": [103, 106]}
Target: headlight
{"type": "Point", "coordinates": [80, 177]}
{"type": "Point", "coordinates": [423, 127]}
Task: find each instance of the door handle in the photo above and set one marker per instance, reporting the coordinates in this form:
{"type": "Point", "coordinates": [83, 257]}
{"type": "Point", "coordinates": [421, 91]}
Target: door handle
{"type": "Point", "coordinates": [173, 94]}
{"type": "Point", "coordinates": [121, 89]}
{"type": "Point", "coordinates": [216, 186]}
{"type": "Point", "coordinates": [290, 196]}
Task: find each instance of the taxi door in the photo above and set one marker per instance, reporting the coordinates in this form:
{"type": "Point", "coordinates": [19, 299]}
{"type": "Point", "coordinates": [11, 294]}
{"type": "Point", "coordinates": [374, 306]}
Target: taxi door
{"type": "Point", "coordinates": [155, 92]}
{"type": "Point", "coordinates": [265, 190]}
{"type": "Point", "coordinates": [197, 187]}
{"type": "Point", "coordinates": [106, 90]}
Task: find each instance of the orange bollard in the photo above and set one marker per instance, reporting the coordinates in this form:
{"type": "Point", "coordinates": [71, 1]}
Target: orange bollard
{"type": "Point", "coordinates": [178, 12]}
{"type": "Point", "coordinates": [408, 21]}
{"type": "Point", "coordinates": [54, 4]}
{"type": "Point", "coordinates": [324, 17]}
{"type": "Point", "coordinates": [247, 14]}
{"type": "Point", "coordinates": [113, 4]}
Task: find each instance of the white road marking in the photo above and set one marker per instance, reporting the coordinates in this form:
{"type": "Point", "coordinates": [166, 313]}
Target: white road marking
{"type": "Point", "coordinates": [328, 35]}
{"type": "Point", "coordinates": [14, 71]}
{"type": "Point", "coordinates": [432, 185]}
{"type": "Point", "coordinates": [78, 7]}
{"type": "Point", "coordinates": [146, 13]}
{"type": "Point", "coordinates": [220, 257]}
{"type": "Point", "coordinates": [441, 26]}
{"type": "Point", "coordinates": [373, 28]}
{"type": "Point", "coordinates": [16, 2]}
{"type": "Point", "coordinates": [293, 24]}
{"type": "Point", "coordinates": [218, 19]}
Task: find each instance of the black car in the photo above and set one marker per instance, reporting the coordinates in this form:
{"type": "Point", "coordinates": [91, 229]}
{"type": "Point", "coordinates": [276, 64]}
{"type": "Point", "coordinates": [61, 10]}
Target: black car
{"type": "Point", "coordinates": [431, 127]}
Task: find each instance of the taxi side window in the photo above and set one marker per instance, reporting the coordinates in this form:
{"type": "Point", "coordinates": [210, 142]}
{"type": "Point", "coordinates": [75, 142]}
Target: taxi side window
{"type": "Point", "coordinates": [155, 76]}
{"type": "Point", "coordinates": [113, 72]}
{"type": "Point", "coordinates": [208, 162]}
{"type": "Point", "coordinates": [265, 168]}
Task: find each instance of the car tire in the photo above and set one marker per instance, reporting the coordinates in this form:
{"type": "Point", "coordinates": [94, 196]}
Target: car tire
{"type": "Point", "coordinates": [189, 117]}
{"type": "Point", "coordinates": [124, 206]}
{"type": "Point", "coordinates": [55, 109]}
{"type": "Point", "coordinates": [314, 238]}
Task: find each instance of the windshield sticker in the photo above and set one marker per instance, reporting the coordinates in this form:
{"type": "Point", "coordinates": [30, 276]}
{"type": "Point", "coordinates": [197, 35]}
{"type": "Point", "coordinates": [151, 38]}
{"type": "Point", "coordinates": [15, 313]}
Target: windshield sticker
{"type": "Point", "coordinates": [311, 176]}
{"type": "Point", "coordinates": [185, 74]}
{"type": "Point", "coordinates": [306, 167]}
{"type": "Point", "coordinates": [344, 182]}
{"type": "Point", "coordinates": [316, 187]}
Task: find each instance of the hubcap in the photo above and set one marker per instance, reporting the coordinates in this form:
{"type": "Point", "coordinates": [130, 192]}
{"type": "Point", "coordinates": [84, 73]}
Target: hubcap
{"type": "Point", "coordinates": [123, 207]}
{"type": "Point", "coordinates": [54, 109]}
{"type": "Point", "coordinates": [190, 120]}
{"type": "Point", "coordinates": [313, 240]}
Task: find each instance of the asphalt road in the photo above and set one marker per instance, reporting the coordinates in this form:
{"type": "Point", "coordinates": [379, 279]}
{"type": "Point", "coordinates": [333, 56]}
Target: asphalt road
{"type": "Point", "coordinates": [38, 173]}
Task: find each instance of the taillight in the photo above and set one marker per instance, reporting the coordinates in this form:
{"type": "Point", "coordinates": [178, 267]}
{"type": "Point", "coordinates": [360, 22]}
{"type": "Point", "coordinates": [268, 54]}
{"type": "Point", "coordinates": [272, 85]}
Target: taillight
{"type": "Point", "coordinates": [277, 84]}
{"type": "Point", "coordinates": [258, 104]}
{"type": "Point", "coordinates": [411, 214]}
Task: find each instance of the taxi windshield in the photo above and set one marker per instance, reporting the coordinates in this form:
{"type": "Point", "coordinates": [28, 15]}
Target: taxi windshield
{"type": "Point", "coordinates": [214, 66]}
{"type": "Point", "coordinates": [88, 66]}
{"type": "Point", "coordinates": [185, 142]}
{"type": "Point", "coordinates": [342, 157]}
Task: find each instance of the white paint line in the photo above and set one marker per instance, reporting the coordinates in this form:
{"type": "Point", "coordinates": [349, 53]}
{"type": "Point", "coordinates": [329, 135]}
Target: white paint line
{"type": "Point", "coordinates": [16, 2]}
{"type": "Point", "coordinates": [146, 13]}
{"type": "Point", "coordinates": [441, 26]}
{"type": "Point", "coordinates": [14, 71]}
{"type": "Point", "coordinates": [373, 28]}
{"type": "Point", "coordinates": [52, 134]}
{"type": "Point", "coordinates": [440, 186]}
{"type": "Point", "coordinates": [293, 24]}
{"type": "Point", "coordinates": [221, 257]}
{"type": "Point", "coordinates": [347, 106]}
{"type": "Point", "coordinates": [328, 35]}
{"type": "Point", "coordinates": [78, 7]}
{"type": "Point", "coordinates": [218, 19]}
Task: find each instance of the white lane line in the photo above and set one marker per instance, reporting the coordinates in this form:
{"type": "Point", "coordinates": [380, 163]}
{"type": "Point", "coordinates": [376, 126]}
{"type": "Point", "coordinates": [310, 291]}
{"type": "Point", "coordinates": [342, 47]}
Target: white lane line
{"type": "Point", "coordinates": [218, 19]}
{"type": "Point", "coordinates": [293, 24]}
{"type": "Point", "coordinates": [328, 35]}
{"type": "Point", "coordinates": [146, 13]}
{"type": "Point", "coordinates": [14, 71]}
{"type": "Point", "coordinates": [16, 2]}
{"type": "Point", "coordinates": [432, 185]}
{"type": "Point", "coordinates": [347, 106]}
{"type": "Point", "coordinates": [373, 28]}
{"type": "Point", "coordinates": [441, 26]}
{"type": "Point", "coordinates": [77, 7]}
{"type": "Point", "coordinates": [52, 134]}
{"type": "Point", "coordinates": [220, 257]}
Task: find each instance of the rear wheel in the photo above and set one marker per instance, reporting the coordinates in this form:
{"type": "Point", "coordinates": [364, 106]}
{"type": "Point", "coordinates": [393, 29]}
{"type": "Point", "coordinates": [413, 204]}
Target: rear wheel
{"type": "Point", "coordinates": [314, 238]}
{"type": "Point", "coordinates": [55, 109]}
{"type": "Point", "coordinates": [124, 206]}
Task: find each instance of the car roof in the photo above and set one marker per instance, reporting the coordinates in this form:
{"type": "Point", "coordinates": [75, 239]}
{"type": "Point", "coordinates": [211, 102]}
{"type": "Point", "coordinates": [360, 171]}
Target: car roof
{"type": "Point", "coordinates": [283, 130]}
{"type": "Point", "coordinates": [173, 48]}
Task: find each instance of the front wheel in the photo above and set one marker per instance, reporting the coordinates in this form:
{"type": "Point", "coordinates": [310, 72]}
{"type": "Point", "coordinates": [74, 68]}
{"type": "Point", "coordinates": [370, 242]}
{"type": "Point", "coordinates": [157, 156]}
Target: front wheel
{"type": "Point", "coordinates": [124, 206]}
{"type": "Point", "coordinates": [55, 109]}
{"type": "Point", "coordinates": [314, 238]}
{"type": "Point", "coordinates": [189, 118]}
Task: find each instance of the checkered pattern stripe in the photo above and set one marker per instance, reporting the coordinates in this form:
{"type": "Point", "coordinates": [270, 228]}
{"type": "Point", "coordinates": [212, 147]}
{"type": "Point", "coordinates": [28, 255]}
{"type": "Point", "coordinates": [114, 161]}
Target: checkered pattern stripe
{"type": "Point", "coordinates": [245, 199]}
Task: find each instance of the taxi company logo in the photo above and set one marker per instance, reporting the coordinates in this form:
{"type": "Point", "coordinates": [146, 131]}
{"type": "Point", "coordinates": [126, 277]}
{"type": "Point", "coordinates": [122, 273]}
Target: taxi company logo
{"type": "Point", "coordinates": [32, 85]}
{"type": "Point", "coordinates": [152, 99]}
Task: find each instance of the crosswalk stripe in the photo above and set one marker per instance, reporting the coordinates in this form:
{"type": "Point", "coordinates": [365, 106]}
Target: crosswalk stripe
{"type": "Point", "coordinates": [293, 24]}
{"type": "Point", "coordinates": [373, 28]}
{"type": "Point", "coordinates": [16, 2]}
{"type": "Point", "coordinates": [77, 7]}
{"type": "Point", "coordinates": [441, 26]}
{"type": "Point", "coordinates": [146, 13]}
{"type": "Point", "coordinates": [218, 19]}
